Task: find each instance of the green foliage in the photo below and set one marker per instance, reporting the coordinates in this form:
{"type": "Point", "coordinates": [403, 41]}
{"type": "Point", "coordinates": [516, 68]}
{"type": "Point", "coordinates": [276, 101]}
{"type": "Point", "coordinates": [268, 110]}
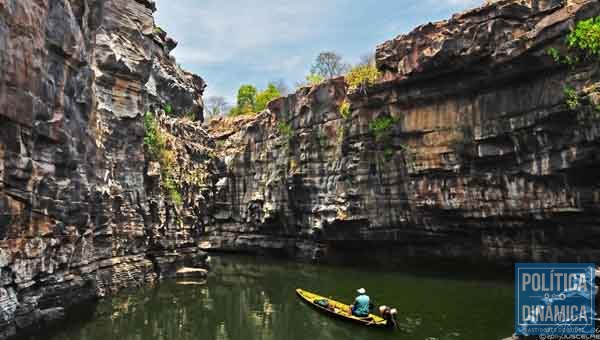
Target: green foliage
{"type": "Point", "coordinates": [314, 79]}
{"type": "Point", "coordinates": [586, 36]}
{"type": "Point", "coordinates": [388, 152]}
{"type": "Point", "coordinates": [345, 109]}
{"type": "Point", "coordinates": [362, 76]}
{"type": "Point", "coordinates": [246, 101]}
{"type": "Point", "coordinates": [571, 98]}
{"type": "Point", "coordinates": [571, 60]}
{"type": "Point", "coordinates": [249, 101]}
{"type": "Point", "coordinates": [234, 112]}
{"type": "Point", "coordinates": [168, 109]}
{"type": "Point", "coordinates": [340, 132]}
{"type": "Point", "coordinates": [221, 143]}
{"type": "Point", "coordinates": [155, 143]}
{"type": "Point", "coordinates": [172, 191]}
{"type": "Point", "coordinates": [264, 97]}
{"type": "Point", "coordinates": [246, 96]}
{"type": "Point", "coordinates": [583, 42]}
{"type": "Point", "coordinates": [241, 111]}
{"type": "Point", "coordinates": [381, 127]}
{"type": "Point", "coordinates": [190, 115]}
{"type": "Point", "coordinates": [285, 129]}
{"type": "Point", "coordinates": [555, 54]}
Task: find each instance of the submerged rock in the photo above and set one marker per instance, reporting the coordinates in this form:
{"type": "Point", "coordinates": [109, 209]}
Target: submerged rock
{"type": "Point", "coordinates": [187, 272]}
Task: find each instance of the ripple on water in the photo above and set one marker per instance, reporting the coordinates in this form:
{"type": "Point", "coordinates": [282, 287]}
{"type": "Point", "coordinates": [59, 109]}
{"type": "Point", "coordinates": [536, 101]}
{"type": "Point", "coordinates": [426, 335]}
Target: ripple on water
{"type": "Point", "coordinates": [246, 298]}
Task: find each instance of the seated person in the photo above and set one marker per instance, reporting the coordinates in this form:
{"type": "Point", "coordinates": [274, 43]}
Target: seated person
{"type": "Point", "coordinates": [361, 304]}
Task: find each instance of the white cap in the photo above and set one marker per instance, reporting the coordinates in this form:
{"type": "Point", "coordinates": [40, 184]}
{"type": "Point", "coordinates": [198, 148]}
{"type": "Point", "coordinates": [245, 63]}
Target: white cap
{"type": "Point", "coordinates": [382, 309]}
{"type": "Point", "coordinates": [361, 291]}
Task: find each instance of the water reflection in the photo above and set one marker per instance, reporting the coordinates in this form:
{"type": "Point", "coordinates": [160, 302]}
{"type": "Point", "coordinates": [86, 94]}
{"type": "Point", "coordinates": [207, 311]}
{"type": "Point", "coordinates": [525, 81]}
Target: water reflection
{"type": "Point", "coordinates": [246, 298]}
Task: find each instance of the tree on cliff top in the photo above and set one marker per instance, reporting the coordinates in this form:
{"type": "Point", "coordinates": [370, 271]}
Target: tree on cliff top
{"type": "Point", "coordinates": [329, 64]}
{"type": "Point", "coordinates": [246, 96]}
{"type": "Point", "coordinates": [246, 101]}
{"type": "Point", "coordinates": [216, 106]}
{"type": "Point", "coordinates": [310, 80]}
{"type": "Point", "coordinates": [249, 101]}
{"type": "Point", "coordinates": [362, 76]}
{"type": "Point", "coordinates": [264, 97]}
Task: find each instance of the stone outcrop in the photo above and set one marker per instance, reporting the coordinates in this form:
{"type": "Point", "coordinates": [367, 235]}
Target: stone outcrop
{"type": "Point", "coordinates": [482, 157]}
{"type": "Point", "coordinates": [79, 216]}
{"type": "Point", "coordinates": [474, 145]}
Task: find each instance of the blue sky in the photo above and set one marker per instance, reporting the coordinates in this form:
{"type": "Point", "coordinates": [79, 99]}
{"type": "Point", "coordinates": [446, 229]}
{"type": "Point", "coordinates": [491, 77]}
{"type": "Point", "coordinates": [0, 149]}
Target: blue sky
{"type": "Point", "coordinates": [234, 42]}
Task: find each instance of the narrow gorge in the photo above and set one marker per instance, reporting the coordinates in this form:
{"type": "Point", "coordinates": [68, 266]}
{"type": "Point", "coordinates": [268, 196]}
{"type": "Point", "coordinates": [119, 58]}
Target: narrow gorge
{"type": "Point", "coordinates": [479, 154]}
{"type": "Point", "coordinates": [81, 215]}
{"type": "Point", "coordinates": [475, 146]}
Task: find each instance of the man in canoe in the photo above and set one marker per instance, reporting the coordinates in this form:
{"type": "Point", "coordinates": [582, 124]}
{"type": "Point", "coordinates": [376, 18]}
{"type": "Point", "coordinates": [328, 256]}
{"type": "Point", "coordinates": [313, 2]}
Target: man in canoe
{"type": "Point", "coordinates": [361, 304]}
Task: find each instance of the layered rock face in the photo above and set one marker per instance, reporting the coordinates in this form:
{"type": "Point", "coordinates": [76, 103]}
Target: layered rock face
{"type": "Point", "coordinates": [475, 145]}
{"type": "Point", "coordinates": [470, 148]}
{"type": "Point", "coordinates": [79, 216]}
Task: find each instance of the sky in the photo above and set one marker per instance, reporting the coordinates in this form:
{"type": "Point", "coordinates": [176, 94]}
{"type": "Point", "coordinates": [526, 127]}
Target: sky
{"type": "Point", "coordinates": [235, 42]}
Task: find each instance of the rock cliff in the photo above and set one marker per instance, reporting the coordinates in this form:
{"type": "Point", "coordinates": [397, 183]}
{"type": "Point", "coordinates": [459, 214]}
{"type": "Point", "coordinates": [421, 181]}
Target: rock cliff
{"type": "Point", "coordinates": [475, 145]}
{"type": "Point", "coordinates": [80, 217]}
{"type": "Point", "coordinates": [469, 148]}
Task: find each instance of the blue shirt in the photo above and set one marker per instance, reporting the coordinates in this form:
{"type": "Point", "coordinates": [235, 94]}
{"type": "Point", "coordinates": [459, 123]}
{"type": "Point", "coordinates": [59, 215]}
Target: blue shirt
{"type": "Point", "coordinates": [361, 305]}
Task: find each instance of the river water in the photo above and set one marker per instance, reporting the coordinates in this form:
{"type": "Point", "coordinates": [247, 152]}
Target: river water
{"type": "Point", "coordinates": [248, 298]}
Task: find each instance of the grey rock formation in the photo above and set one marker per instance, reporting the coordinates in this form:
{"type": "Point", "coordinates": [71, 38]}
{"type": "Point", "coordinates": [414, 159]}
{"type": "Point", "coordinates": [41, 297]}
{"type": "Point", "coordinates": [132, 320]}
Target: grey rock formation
{"type": "Point", "coordinates": [482, 158]}
{"type": "Point", "coordinates": [467, 149]}
{"type": "Point", "coordinates": [79, 218]}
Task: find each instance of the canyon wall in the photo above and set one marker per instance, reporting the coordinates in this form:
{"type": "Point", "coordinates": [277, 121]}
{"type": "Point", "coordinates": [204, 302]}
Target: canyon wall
{"type": "Point", "coordinates": [484, 155]}
{"type": "Point", "coordinates": [82, 213]}
{"type": "Point", "coordinates": [475, 145]}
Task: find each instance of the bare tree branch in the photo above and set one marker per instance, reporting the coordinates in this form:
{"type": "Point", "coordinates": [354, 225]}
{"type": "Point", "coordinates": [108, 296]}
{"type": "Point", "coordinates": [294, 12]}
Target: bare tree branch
{"type": "Point", "coordinates": [216, 106]}
{"type": "Point", "coordinates": [329, 64]}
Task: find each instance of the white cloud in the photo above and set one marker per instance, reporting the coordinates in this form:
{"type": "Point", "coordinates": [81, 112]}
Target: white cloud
{"type": "Point", "coordinates": [226, 30]}
{"type": "Point", "coordinates": [231, 42]}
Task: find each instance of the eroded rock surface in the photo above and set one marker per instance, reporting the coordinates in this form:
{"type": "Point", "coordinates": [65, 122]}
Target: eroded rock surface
{"type": "Point", "coordinates": [79, 217]}
{"type": "Point", "coordinates": [484, 159]}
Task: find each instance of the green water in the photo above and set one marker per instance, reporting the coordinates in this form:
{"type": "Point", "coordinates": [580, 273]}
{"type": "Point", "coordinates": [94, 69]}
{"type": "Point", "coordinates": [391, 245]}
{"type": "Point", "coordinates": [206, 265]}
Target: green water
{"type": "Point", "coordinates": [247, 298]}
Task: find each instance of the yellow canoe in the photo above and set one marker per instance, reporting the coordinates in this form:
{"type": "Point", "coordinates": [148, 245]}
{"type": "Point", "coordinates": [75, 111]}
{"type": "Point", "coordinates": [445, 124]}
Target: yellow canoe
{"type": "Point", "coordinates": [339, 309]}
